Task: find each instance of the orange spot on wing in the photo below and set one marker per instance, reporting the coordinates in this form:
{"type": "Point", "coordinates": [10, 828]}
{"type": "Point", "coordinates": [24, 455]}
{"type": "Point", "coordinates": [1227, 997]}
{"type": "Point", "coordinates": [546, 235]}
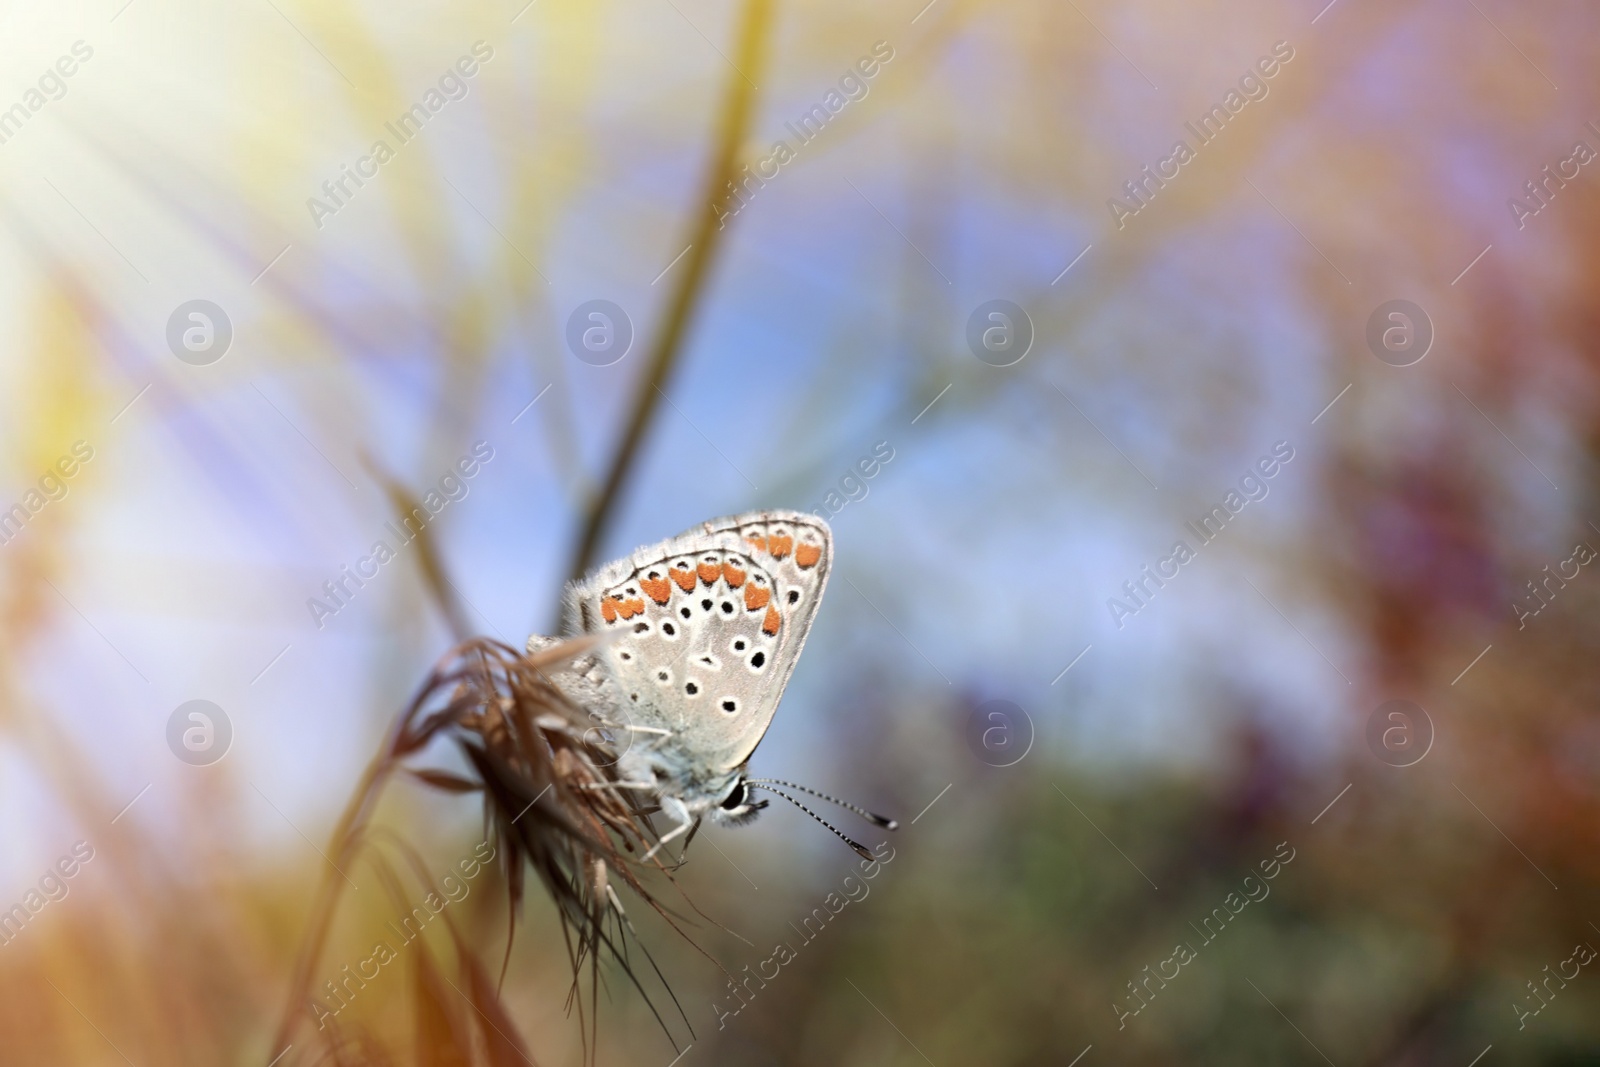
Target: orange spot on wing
{"type": "Point", "coordinates": [709, 572]}
{"type": "Point", "coordinates": [779, 546]}
{"type": "Point", "coordinates": [756, 597]}
{"type": "Point", "coordinates": [733, 574]}
{"type": "Point", "coordinates": [770, 626]}
{"type": "Point", "coordinates": [758, 541]}
{"type": "Point", "coordinates": [685, 579]}
{"type": "Point", "coordinates": [658, 589]}
{"type": "Point", "coordinates": [624, 608]}
{"type": "Point", "coordinates": [807, 555]}
{"type": "Point", "coordinates": [608, 609]}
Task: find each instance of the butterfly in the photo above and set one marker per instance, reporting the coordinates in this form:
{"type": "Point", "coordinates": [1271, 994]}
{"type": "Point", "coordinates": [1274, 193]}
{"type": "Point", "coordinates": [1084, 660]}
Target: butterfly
{"type": "Point", "coordinates": [702, 633]}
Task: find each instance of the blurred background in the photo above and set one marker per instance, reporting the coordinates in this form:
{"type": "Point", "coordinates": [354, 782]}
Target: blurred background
{"type": "Point", "coordinates": [238, 334]}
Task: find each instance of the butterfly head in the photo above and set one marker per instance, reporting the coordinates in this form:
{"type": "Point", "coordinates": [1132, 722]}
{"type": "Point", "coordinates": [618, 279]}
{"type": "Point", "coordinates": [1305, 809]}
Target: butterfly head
{"type": "Point", "coordinates": [678, 780]}
{"type": "Point", "coordinates": [739, 806]}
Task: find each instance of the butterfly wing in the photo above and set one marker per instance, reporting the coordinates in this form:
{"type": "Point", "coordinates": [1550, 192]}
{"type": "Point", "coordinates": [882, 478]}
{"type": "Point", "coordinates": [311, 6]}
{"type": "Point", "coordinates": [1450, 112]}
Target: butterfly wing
{"type": "Point", "coordinates": [708, 627]}
{"type": "Point", "coordinates": [796, 549]}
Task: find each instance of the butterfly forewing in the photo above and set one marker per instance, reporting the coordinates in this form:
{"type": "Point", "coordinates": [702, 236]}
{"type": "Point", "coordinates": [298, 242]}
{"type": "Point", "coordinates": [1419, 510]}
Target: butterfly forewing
{"type": "Point", "coordinates": [797, 550]}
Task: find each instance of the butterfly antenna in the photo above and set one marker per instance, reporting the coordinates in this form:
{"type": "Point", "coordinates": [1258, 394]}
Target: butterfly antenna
{"type": "Point", "coordinates": [861, 850]}
{"type": "Point", "coordinates": [877, 820]}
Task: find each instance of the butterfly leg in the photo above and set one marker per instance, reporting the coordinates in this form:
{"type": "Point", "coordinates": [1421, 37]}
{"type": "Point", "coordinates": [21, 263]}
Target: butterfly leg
{"type": "Point", "coordinates": [673, 808]}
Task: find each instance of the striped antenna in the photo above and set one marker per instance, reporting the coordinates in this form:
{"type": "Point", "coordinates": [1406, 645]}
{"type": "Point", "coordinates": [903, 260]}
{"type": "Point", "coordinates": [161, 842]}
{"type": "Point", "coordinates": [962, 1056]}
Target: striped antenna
{"type": "Point", "coordinates": [877, 820]}
{"type": "Point", "coordinates": [860, 849]}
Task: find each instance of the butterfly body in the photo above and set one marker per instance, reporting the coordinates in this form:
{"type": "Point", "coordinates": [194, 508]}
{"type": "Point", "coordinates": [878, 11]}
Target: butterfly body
{"type": "Point", "coordinates": [704, 631]}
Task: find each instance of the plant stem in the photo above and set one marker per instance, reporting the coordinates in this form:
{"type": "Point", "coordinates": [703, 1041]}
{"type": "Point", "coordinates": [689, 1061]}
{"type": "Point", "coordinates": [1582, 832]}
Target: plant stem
{"type": "Point", "coordinates": [346, 837]}
{"type": "Point", "coordinates": [705, 240]}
